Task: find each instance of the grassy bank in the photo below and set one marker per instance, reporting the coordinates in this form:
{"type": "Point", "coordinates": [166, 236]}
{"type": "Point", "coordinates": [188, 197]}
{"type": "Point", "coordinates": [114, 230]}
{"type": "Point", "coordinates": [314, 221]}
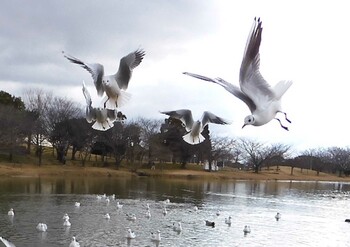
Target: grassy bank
{"type": "Point", "coordinates": [169, 171]}
{"type": "Point", "coordinates": [26, 165]}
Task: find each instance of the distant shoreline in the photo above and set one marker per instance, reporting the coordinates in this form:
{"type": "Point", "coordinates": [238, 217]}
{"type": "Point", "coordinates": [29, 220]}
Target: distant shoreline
{"type": "Point", "coordinates": [27, 170]}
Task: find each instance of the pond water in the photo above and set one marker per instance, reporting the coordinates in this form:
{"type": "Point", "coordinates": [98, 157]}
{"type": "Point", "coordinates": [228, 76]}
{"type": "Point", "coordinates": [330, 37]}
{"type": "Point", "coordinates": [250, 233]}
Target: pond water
{"type": "Point", "coordinates": [312, 213]}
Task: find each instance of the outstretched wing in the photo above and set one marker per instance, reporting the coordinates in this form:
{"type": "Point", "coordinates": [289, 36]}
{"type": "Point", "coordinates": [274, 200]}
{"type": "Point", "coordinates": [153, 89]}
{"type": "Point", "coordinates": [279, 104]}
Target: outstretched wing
{"type": "Point", "coordinates": [251, 81]}
{"type": "Point", "coordinates": [184, 115]}
{"type": "Point", "coordinates": [126, 65]}
{"type": "Point", "coordinates": [7, 243]}
{"type": "Point", "coordinates": [229, 87]}
{"type": "Point", "coordinates": [209, 117]}
{"type": "Point", "coordinates": [87, 95]}
{"type": "Point", "coordinates": [95, 69]}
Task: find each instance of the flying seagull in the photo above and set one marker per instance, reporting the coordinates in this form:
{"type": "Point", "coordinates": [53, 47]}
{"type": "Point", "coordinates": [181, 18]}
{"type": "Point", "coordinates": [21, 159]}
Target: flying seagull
{"type": "Point", "coordinates": [113, 85]}
{"type": "Point", "coordinates": [194, 128]}
{"type": "Point", "coordinates": [103, 117]}
{"type": "Point", "coordinates": [263, 100]}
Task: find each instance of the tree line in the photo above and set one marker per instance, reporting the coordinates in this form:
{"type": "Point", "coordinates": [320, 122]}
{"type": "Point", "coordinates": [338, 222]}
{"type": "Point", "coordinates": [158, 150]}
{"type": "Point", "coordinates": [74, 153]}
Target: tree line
{"type": "Point", "coordinates": [42, 119]}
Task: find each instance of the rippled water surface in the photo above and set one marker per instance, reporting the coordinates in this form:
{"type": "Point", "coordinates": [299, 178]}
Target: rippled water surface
{"type": "Point", "coordinates": [313, 213]}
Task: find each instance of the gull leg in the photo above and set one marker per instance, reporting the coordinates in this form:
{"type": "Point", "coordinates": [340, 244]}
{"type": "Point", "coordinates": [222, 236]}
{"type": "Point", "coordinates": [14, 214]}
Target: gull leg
{"type": "Point", "coordinates": [285, 115]}
{"type": "Point", "coordinates": [284, 127]}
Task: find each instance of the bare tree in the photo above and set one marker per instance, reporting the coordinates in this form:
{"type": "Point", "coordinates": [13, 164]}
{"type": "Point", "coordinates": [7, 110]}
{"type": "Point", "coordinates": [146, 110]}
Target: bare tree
{"type": "Point", "coordinates": [37, 101]}
{"type": "Point", "coordinates": [224, 149]}
{"type": "Point", "coordinates": [258, 154]}
{"type": "Point", "coordinates": [149, 129]}
{"type": "Point", "coordinates": [59, 112]}
{"type": "Point", "coordinates": [340, 157]}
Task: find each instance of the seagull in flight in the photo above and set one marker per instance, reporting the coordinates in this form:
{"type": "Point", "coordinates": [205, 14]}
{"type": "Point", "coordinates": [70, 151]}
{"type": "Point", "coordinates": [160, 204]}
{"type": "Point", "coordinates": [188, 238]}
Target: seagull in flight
{"type": "Point", "coordinates": [113, 85]}
{"type": "Point", "coordinates": [263, 100]}
{"type": "Point", "coordinates": [194, 128]}
{"type": "Point", "coordinates": [103, 117]}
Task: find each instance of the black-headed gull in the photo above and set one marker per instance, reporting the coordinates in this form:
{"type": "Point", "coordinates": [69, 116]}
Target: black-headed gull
{"type": "Point", "coordinates": [103, 117]}
{"type": "Point", "coordinates": [194, 128]}
{"type": "Point", "coordinates": [66, 222]}
{"type": "Point", "coordinates": [74, 243]}
{"type": "Point", "coordinates": [41, 227]}
{"type": "Point", "coordinates": [7, 243]}
{"type": "Point", "coordinates": [278, 216]}
{"type": "Point", "coordinates": [130, 234]}
{"type": "Point", "coordinates": [177, 226]}
{"type": "Point", "coordinates": [228, 221]}
{"type": "Point", "coordinates": [263, 101]}
{"type": "Point", "coordinates": [246, 229]}
{"type": "Point", "coordinates": [10, 212]}
{"type": "Point", "coordinates": [155, 236]}
{"type": "Point", "coordinates": [112, 85]}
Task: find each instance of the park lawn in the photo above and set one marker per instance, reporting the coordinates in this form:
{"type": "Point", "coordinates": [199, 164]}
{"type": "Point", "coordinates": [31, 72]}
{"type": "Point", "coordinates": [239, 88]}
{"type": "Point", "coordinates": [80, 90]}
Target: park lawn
{"type": "Point", "coordinates": [192, 171]}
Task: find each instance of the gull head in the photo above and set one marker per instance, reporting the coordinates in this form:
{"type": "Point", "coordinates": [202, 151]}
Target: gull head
{"type": "Point", "coordinates": [248, 120]}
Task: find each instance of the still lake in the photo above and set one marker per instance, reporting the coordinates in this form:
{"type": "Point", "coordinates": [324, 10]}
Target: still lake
{"type": "Point", "coordinates": [312, 213]}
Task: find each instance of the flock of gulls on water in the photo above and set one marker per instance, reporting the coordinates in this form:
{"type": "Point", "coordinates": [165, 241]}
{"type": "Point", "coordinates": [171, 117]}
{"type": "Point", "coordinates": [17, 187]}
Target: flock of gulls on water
{"type": "Point", "coordinates": [154, 236]}
{"type": "Point", "coordinates": [263, 101]}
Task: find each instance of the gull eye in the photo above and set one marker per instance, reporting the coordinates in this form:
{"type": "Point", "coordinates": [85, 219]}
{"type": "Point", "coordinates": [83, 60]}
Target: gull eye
{"type": "Point", "coordinates": [249, 120]}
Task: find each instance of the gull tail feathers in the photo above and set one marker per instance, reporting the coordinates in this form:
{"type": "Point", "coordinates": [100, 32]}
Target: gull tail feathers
{"type": "Point", "coordinates": [106, 125]}
{"type": "Point", "coordinates": [281, 87]}
{"type": "Point", "coordinates": [193, 139]}
{"type": "Point", "coordinates": [113, 104]}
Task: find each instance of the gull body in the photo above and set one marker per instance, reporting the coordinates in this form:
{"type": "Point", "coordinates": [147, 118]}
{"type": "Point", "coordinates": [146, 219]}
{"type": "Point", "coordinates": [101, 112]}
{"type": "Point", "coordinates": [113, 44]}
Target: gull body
{"type": "Point", "coordinates": [65, 216]}
{"type": "Point", "coordinates": [177, 226]}
{"type": "Point", "coordinates": [246, 229]}
{"type": "Point", "coordinates": [165, 211]}
{"type": "Point", "coordinates": [74, 243]}
{"type": "Point", "coordinates": [11, 212]}
{"type": "Point", "coordinates": [107, 216]}
{"type": "Point", "coordinates": [156, 236]}
{"type": "Point", "coordinates": [228, 220]}
{"type": "Point", "coordinates": [77, 204]}
{"type": "Point", "coordinates": [148, 214]}
{"type": "Point", "coordinates": [66, 222]}
{"type": "Point", "coordinates": [113, 85]}
{"type": "Point", "coordinates": [194, 128]}
{"type": "Point", "coordinates": [131, 217]}
{"type": "Point", "coordinates": [278, 216]}
{"type": "Point", "coordinates": [130, 234]}
{"type": "Point", "coordinates": [102, 117]}
{"type": "Point", "coordinates": [119, 206]}
{"type": "Point", "coordinates": [210, 223]}
{"type": "Point", "coordinates": [263, 100]}
{"type": "Point", "coordinates": [41, 227]}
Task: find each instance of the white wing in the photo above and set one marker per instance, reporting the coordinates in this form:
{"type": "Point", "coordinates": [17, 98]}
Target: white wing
{"type": "Point", "coordinates": [209, 117]}
{"type": "Point", "coordinates": [7, 243]}
{"type": "Point", "coordinates": [251, 81]}
{"type": "Point", "coordinates": [95, 69]}
{"type": "Point", "coordinates": [229, 87]}
{"type": "Point", "coordinates": [126, 65]}
{"type": "Point", "coordinates": [184, 115]}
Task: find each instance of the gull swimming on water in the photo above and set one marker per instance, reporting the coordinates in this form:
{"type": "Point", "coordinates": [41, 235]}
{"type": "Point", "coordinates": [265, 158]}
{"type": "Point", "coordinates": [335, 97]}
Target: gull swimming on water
{"type": "Point", "coordinates": [228, 221]}
{"type": "Point", "coordinates": [278, 216]}
{"type": "Point", "coordinates": [65, 216]}
{"type": "Point", "coordinates": [112, 85]}
{"type": "Point", "coordinates": [263, 100]}
{"type": "Point", "coordinates": [194, 128]}
{"type": "Point", "coordinates": [66, 222]}
{"type": "Point", "coordinates": [130, 234]}
{"type": "Point", "coordinates": [119, 206]}
{"type": "Point", "coordinates": [103, 117]}
{"type": "Point", "coordinates": [177, 226]}
{"type": "Point", "coordinates": [155, 236]}
{"type": "Point", "coordinates": [41, 227]}
{"type": "Point", "coordinates": [7, 243]}
{"type": "Point", "coordinates": [10, 212]}
{"type": "Point", "coordinates": [74, 243]}
{"type": "Point", "coordinates": [246, 229]}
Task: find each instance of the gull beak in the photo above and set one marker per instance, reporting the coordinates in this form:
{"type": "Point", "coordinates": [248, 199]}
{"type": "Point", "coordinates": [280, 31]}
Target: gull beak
{"type": "Point", "coordinates": [243, 126]}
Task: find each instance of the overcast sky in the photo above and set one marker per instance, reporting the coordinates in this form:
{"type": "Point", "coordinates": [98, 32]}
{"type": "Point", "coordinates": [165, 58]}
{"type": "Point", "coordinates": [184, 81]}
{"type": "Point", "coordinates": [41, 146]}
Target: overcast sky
{"type": "Point", "coordinates": [304, 41]}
